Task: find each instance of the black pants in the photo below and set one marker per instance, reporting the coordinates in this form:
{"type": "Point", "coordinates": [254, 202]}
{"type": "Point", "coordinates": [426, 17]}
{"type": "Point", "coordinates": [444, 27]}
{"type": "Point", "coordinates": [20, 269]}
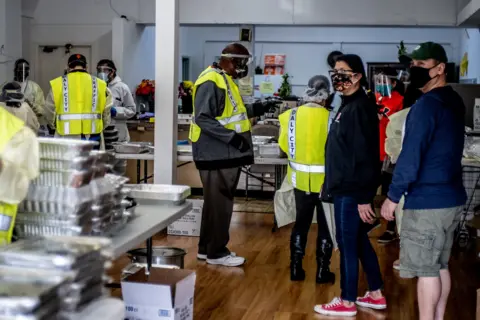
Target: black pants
{"type": "Point", "coordinates": [218, 192]}
{"type": "Point", "coordinates": [305, 204]}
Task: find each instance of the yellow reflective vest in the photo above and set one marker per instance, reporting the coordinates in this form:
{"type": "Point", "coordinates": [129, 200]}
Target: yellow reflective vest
{"type": "Point", "coordinates": [234, 116]}
{"type": "Point", "coordinates": [303, 136]}
{"type": "Point", "coordinates": [9, 127]}
{"type": "Point", "coordinates": [80, 100]}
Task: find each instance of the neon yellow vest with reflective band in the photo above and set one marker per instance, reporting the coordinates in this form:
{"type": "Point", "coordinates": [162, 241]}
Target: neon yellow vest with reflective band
{"type": "Point", "coordinates": [9, 127]}
{"type": "Point", "coordinates": [234, 116]}
{"type": "Point", "coordinates": [303, 137]}
{"type": "Point", "coordinates": [79, 103]}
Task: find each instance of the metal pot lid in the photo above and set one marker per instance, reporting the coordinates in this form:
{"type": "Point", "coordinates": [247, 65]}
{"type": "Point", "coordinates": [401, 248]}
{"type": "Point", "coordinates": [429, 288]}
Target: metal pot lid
{"type": "Point", "coordinates": [159, 252]}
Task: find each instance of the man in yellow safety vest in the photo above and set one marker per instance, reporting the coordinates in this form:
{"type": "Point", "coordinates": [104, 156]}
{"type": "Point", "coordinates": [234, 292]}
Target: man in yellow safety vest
{"type": "Point", "coordinates": [303, 135]}
{"type": "Point", "coordinates": [19, 164]}
{"type": "Point", "coordinates": [222, 144]}
{"type": "Point", "coordinates": [79, 105]}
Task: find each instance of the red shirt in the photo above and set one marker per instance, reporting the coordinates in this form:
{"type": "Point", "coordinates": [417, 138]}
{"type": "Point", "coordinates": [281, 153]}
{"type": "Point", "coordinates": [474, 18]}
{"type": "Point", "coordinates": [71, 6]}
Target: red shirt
{"type": "Point", "coordinates": [388, 106]}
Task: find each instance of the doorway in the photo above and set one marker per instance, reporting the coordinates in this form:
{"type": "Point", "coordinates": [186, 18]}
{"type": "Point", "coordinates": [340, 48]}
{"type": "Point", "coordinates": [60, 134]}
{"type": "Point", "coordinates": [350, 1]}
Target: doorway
{"type": "Point", "coordinates": [52, 61]}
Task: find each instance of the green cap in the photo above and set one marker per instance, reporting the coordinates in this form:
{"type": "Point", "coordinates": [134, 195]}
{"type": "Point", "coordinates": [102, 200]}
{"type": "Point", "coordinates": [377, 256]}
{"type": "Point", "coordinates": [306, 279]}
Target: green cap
{"type": "Point", "coordinates": [430, 50]}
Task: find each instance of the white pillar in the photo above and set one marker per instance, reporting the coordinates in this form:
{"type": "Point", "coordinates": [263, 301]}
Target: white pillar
{"type": "Point", "coordinates": [166, 86]}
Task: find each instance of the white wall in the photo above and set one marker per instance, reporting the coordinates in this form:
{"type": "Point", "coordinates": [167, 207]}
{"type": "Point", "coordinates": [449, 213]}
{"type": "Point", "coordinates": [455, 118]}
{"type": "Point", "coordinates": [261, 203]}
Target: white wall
{"type": "Point", "coordinates": [308, 47]}
{"type": "Point", "coordinates": [470, 43]}
{"type": "Point", "coordinates": [10, 37]}
{"type": "Point", "coordinates": [133, 51]}
{"type": "Point", "coordinates": [325, 12]}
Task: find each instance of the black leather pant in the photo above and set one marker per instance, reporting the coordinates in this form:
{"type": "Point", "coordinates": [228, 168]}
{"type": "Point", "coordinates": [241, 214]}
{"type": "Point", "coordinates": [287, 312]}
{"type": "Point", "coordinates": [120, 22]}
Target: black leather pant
{"type": "Point", "coordinates": [305, 206]}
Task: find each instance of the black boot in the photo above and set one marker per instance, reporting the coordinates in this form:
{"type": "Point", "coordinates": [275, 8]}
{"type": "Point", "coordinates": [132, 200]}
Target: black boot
{"type": "Point", "coordinates": [324, 253]}
{"type": "Point", "coordinates": [297, 250]}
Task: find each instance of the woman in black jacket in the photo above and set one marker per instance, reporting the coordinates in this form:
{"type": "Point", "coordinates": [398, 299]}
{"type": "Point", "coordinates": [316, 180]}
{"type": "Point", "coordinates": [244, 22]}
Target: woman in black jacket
{"type": "Point", "coordinates": [352, 178]}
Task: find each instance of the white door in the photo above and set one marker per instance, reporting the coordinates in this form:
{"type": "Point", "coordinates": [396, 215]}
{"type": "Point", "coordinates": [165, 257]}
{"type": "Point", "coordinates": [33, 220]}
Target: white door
{"type": "Point", "coordinates": [52, 64]}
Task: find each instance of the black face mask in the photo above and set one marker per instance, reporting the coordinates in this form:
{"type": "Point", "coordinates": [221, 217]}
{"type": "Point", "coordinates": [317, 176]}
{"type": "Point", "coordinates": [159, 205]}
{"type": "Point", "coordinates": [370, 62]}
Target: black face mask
{"type": "Point", "coordinates": [419, 77]}
{"type": "Point", "coordinates": [341, 81]}
{"type": "Point", "coordinates": [242, 74]}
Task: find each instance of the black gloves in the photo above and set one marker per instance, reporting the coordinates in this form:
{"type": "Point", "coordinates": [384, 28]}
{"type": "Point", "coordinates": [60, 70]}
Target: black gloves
{"type": "Point", "coordinates": [260, 108]}
{"type": "Point", "coordinates": [240, 142]}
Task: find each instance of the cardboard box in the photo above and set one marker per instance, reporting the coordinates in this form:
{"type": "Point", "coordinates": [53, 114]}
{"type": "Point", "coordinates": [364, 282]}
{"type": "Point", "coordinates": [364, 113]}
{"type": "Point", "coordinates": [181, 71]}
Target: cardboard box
{"type": "Point", "coordinates": [164, 294]}
{"type": "Point", "coordinates": [188, 225]}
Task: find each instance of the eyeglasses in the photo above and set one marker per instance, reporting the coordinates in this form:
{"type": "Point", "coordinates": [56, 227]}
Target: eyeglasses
{"type": "Point", "coordinates": [340, 71]}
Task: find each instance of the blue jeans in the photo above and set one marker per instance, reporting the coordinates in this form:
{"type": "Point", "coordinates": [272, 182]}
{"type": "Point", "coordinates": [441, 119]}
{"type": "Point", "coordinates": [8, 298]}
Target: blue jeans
{"type": "Point", "coordinates": [354, 245]}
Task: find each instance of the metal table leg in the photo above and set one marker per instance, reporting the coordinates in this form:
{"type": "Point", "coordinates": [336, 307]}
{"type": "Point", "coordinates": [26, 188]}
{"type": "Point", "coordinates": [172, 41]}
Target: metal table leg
{"type": "Point", "coordinates": [145, 171]}
{"type": "Point", "coordinates": [149, 253]}
{"type": "Point", "coordinates": [138, 171]}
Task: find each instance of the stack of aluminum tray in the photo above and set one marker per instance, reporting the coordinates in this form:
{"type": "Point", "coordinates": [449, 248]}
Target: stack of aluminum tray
{"type": "Point", "coordinates": [44, 278]}
{"type": "Point", "coordinates": [59, 210]}
{"type": "Point", "coordinates": [71, 196]}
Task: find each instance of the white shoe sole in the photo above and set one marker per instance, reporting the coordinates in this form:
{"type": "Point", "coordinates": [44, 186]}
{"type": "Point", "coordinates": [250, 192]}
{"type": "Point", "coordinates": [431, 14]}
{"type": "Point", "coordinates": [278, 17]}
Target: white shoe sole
{"type": "Point", "coordinates": [204, 257]}
{"type": "Point", "coordinates": [318, 310]}
{"type": "Point", "coordinates": [372, 306]}
{"type": "Point", "coordinates": [221, 263]}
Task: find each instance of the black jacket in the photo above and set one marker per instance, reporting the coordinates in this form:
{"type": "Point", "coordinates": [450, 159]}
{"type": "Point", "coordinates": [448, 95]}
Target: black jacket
{"type": "Point", "coordinates": [215, 149]}
{"type": "Point", "coordinates": [352, 152]}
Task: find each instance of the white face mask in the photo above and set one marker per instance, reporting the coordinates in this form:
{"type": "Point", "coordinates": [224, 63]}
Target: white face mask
{"type": "Point", "coordinates": [103, 76]}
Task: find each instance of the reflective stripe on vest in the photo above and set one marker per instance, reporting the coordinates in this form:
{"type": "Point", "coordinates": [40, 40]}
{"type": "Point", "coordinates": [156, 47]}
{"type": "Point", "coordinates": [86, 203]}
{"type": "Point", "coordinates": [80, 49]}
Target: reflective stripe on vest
{"type": "Point", "coordinates": [291, 133]}
{"type": "Point", "coordinates": [229, 91]}
{"type": "Point", "coordinates": [5, 222]}
{"type": "Point", "coordinates": [65, 93]}
{"type": "Point", "coordinates": [307, 168]}
{"type": "Point", "coordinates": [79, 116]}
{"type": "Point", "coordinates": [235, 118]}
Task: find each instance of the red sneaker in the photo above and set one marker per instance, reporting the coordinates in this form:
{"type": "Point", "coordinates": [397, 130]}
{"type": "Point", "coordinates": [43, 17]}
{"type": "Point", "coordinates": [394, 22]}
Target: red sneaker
{"type": "Point", "coordinates": [336, 308]}
{"type": "Point", "coordinates": [368, 301]}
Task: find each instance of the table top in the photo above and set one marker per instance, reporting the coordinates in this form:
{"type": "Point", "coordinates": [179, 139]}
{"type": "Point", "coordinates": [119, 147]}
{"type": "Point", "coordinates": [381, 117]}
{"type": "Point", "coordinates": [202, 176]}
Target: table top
{"type": "Point", "coordinates": [185, 157]}
{"type": "Point", "coordinates": [151, 219]}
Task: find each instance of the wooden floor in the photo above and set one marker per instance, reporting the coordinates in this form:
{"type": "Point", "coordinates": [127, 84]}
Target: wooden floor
{"type": "Point", "coordinates": [262, 290]}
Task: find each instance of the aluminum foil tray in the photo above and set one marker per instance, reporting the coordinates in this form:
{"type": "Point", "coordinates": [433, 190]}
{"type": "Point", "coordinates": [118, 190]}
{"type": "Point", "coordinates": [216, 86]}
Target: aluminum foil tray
{"type": "Point", "coordinates": [70, 196]}
{"type": "Point", "coordinates": [100, 156]}
{"type": "Point", "coordinates": [65, 149]}
{"type": "Point", "coordinates": [78, 163]}
{"type": "Point", "coordinates": [270, 150]}
{"type": "Point", "coordinates": [47, 253]}
{"type": "Point", "coordinates": [262, 139]}
{"type": "Point", "coordinates": [18, 298]}
{"type": "Point", "coordinates": [160, 192]}
{"type": "Point", "coordinates": [34, 230]}
{"type": "Point", "coordinates": [55, 209]}
{"type": "Point", "coordinates": [53, 221]}
{"type": "Point", "coordinates": [104, 245]}
{"type": "Point", "coordinates": [132, 147]}
{"type": "Point", "coordinates": [67, 178]}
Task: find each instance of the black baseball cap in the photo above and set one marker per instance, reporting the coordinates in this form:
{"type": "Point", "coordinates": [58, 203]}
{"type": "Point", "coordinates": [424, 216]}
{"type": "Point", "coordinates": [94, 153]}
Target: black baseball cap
{"type": "Point", "coordinates": [429, 50]}
{"type": "Point", "coordinates": [77, 60]}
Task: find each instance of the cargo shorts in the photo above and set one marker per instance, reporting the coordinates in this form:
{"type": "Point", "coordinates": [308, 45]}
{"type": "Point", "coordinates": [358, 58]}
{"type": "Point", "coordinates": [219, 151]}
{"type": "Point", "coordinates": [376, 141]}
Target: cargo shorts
{"type": "Point", "coordinates": [426, 241]}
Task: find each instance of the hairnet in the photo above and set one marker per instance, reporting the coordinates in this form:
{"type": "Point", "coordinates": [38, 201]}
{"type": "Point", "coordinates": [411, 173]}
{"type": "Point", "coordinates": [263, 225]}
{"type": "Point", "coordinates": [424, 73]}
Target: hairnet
{"type": "Point", "coordinates": [318, 89]}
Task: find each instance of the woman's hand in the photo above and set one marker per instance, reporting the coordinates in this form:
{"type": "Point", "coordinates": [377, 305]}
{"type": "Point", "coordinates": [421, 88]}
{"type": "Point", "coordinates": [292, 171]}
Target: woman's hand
{"type": "Point", "coordinates": [366, 213]}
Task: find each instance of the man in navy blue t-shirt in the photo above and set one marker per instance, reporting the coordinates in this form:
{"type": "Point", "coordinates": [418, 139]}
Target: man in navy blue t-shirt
{"type": "Point", "coordinates": [429, 174]}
